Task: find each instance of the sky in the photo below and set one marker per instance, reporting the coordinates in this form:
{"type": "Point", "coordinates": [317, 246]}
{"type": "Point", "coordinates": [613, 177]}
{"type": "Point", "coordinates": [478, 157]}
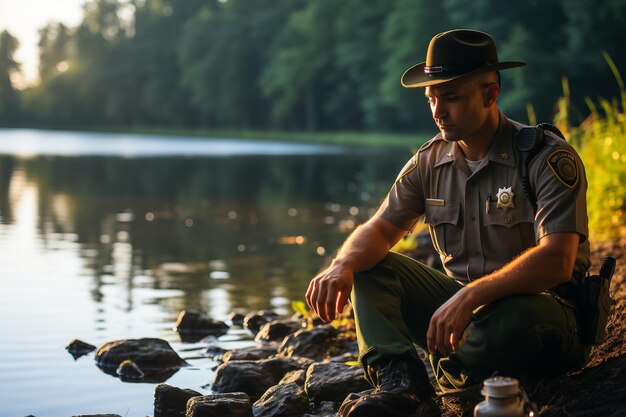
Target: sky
{"type": "Point", "coordinates": [23, 19]}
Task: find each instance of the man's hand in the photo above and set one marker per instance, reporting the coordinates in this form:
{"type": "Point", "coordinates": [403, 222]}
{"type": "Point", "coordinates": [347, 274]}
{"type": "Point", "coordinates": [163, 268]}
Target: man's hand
{"type": "Point", "coordinates": [448, 323]}
{"type": "Point", "coordinates": [328, 292]}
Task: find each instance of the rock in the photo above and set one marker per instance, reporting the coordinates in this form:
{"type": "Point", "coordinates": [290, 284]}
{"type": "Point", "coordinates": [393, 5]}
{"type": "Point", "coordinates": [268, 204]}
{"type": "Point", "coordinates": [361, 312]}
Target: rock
{"type": "Point", "coordinates": [193, 327]}
{"type": "Point", "coordinates": [313, 344]}
{"type": "Point", "coordinates": [254, 321]}
{"type": "Point", "coordinates": [324, 409]}
{"type": "Point", "coordinates": [215, 352]}
{"type": "Point", "coordinates": [129, 371]}
{"type": "Point", "coordinates": [333, 381]}
{"type": "Point", "coordinates": [171, 401]}
{"type": "Point", "coordinates": [297, 377]}
{"type": "Point", "coordinates": [236, 318]}
{"type": "Point", "coordinates": [232, 404]}
{"type": "Point", "coordinates": [277, 330]}
{"type": "Point", "coordinates": [78, 348]}
{"type": "Point", "coordinates": [287, 400]}
{"type": "Point", "coordinates": [252, 377]}
{"type": "Point", "coordinates": [251, 353]}
{"type": "Point", "coordinates": [156, 359]}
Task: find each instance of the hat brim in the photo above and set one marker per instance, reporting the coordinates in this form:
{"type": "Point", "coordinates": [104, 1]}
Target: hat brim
{"type": "Point", "coordinates": [415, 77]}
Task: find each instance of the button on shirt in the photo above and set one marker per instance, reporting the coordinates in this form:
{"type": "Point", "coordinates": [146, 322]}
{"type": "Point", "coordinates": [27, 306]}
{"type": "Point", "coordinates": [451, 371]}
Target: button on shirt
{"type": "Point", "coordinates": [480, 221]}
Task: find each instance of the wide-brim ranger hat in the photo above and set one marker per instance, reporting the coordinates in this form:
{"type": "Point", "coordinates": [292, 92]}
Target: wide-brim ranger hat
{"type": "Point", "coordinates": [455, 54]}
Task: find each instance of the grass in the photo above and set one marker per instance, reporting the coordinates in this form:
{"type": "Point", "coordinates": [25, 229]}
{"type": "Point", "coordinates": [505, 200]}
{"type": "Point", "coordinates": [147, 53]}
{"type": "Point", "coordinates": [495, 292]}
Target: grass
{"type": "Point", "coordinates": [601, 142]}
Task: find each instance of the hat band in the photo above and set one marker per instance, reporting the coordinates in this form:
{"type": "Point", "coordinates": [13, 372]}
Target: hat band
{"type": "Point", "coordinates": [453, 70]}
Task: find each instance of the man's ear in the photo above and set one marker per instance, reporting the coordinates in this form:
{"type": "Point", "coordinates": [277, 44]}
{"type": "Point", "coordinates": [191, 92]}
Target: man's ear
{"type": "Point", "coordinates": [490, 97]}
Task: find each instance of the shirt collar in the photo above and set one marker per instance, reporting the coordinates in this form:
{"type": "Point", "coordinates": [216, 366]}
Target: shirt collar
{"type": "Point", "coordinates": [500, 151]}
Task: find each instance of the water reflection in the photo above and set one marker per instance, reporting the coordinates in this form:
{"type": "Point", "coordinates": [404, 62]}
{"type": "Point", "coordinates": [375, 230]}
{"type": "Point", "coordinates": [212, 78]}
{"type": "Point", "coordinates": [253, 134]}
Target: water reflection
{"type": "Point", "coordinates": [105, 248]}
{"type": "Point", "coordinates": [224, 233]}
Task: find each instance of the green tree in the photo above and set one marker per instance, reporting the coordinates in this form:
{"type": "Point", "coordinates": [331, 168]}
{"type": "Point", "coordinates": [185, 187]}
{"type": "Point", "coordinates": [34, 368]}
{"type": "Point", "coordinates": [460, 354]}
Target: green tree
{"type": "Point", "coordinates": [9, 96]}
{"type": "Point", "coordinates": [222, 52]}
{"type": "Point", "coordinates": [54, 46]}
{"type": "Point", "coordinates": [409, 26]}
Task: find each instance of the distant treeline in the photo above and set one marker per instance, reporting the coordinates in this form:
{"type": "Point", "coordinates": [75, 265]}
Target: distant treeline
{"type": "Point", "coordinates": [298, 64]}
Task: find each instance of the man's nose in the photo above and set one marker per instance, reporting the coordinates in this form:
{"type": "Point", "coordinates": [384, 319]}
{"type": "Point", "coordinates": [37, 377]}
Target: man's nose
{"type": "Point", "coordinates": [438, 109]}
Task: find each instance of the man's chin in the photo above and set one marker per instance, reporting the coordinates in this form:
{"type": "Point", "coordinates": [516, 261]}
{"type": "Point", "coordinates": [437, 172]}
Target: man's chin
{"type": "Point", "coordinates": [448, 137]}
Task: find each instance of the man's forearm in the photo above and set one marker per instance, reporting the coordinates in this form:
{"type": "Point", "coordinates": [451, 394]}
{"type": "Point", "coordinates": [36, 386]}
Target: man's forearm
{"type": "Point", "coordinates": [366, 247]}
{"type": "Point", "coordinates": [534, 271]}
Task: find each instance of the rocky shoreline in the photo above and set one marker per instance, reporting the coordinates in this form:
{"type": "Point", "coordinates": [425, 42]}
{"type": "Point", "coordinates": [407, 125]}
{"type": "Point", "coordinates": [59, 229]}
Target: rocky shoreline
{"type": "Point", "coordinates": [300, 367]}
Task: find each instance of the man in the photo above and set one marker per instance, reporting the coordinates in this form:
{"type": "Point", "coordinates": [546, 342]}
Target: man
{"type": "Point", "coordinates": [491, 311]}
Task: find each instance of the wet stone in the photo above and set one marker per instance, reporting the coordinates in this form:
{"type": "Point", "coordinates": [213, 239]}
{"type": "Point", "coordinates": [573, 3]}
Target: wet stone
{"type": "Point", "coordinates": [251, 353]}
{"type": "Point", "coordinates": [78, 348]}
{"type": "Point", "coordinates": [333, 381]}
{"type": "Point", "coordinates": [155, 357]}
{"type": "Point", "coordinates": [193, 326]}
{"type": "Point", "coordinates": [313, 344]}
{"type": "Point", "coordinates": [277, 330]}
{"type": "Point", "coordinates": [232, 404]}
{"type": "Point", "coordinates": [252, 377]}
{"type": "Point", "coordinates": [171, 401]}
{"type": "Point", "coordinates": [254, 321]}
{"type": "Point", "coordinates": [129, 371]}
{"type": "Point", "coordinates": [215, 352]}
{"type": "Point", "coordinates": [297, 377]}
{"type": "Point", "coordinates": [282, 401]}
{"type": "Point", "coordinates": [236, 318]}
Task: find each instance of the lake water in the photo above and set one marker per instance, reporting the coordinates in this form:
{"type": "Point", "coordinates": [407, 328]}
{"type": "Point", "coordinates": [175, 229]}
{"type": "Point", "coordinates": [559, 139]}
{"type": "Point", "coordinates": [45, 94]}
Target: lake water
{"type": "Point", "coordinates": [110, 236]}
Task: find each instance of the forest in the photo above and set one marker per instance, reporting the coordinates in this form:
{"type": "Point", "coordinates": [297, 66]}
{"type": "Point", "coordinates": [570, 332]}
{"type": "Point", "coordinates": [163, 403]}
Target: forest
{"type": "Point", "coordinates": [299, 65]}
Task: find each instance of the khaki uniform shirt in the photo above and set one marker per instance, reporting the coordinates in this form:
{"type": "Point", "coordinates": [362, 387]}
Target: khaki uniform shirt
{"type": "Point", "coordinates": [479, 222]}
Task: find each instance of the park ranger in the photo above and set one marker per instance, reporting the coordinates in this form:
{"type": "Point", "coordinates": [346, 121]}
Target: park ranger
{"type": "Point", "coordinates": [503, 249]}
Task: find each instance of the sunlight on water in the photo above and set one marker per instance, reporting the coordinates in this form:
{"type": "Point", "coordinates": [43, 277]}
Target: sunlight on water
{"type": "Point", "coordinates": [27, 143]}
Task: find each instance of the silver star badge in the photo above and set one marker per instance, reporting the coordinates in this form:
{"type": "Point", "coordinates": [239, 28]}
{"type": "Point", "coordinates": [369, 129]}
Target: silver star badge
{"type": "Point", "coordinates": [505, 198]}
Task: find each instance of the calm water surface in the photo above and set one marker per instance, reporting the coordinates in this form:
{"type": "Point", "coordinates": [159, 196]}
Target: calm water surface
{"type": "Point", "coordinates": [106, 237]}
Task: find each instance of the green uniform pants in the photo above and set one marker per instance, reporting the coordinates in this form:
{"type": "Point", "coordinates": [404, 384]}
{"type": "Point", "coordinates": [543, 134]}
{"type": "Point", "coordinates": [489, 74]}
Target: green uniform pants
{"type": "Point", "coordinates": [533, 335]}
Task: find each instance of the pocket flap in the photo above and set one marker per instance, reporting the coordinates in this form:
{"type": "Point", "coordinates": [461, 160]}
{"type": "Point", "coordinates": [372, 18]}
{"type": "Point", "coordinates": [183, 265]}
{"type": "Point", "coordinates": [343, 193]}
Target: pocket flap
{"type": "Point", "coordinates": [435, 215]}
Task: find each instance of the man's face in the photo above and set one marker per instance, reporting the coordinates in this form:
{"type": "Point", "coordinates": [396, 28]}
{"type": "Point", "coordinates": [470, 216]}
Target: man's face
{"type": "Point", "coordinates": [458, 107]}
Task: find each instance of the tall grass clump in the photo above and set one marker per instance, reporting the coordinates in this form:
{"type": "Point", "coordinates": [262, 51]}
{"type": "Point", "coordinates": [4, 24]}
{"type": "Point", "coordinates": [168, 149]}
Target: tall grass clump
{"type": "Point", "coordinates": [601, 142]}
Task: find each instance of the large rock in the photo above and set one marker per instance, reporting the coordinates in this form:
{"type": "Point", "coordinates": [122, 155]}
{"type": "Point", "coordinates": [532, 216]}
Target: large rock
{"type": "Point", "coordinates": [333, 381]}
{"type": "Point", "coordinates": [314, 344]}
{"type": "Point", "coordinates": [252, 353]}
{"type": "Point", "coordinates": [252, 377]}
{"type": "Point", "coordinates": [277, 330]}
{"type": "Point", "coordinates": [78, 348]}
{"type": "Point", "coordinates": [232, 404]}
{"type": "Point", "coordinates": [154, 357]}
{"type": "Point", "coordinates": [193, 326]}
{"type": "Point", "coordinates": [287, 400]}
{"type": "Point", "coordinates": [171, 401]}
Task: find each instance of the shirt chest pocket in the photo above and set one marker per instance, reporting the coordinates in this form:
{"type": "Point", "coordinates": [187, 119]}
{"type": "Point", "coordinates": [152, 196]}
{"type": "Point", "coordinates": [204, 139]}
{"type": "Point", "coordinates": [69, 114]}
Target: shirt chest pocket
{"type": "Point", "coordinates": [512, 232]}
{"type": "Point", "coordinates": [444, 227]}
